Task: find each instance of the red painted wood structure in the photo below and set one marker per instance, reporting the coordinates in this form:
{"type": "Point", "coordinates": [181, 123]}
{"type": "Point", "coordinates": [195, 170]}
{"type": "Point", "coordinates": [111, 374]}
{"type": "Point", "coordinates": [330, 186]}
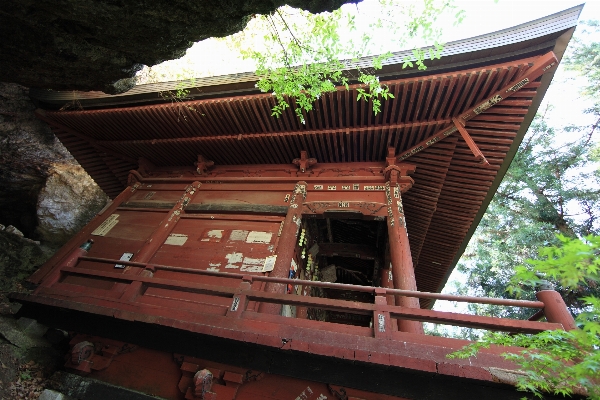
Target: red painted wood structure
{"type": "Point", "coordinates": [309, 253]}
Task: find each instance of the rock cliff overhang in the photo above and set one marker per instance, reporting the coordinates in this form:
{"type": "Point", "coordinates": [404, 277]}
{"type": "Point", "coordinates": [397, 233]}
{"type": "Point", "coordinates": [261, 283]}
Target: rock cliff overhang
{"type": "Point", "coordinates": [100, 45]}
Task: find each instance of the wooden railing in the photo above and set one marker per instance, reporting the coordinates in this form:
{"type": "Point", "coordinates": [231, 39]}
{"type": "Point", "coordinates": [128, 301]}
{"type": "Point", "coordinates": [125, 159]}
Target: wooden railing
{"type": "Point", "coordinates": [380, 310]}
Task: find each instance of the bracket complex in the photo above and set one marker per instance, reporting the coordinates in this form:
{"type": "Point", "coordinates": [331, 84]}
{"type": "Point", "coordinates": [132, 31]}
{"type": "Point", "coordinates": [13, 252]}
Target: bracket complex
{"type": "Point", "coordinates": [203, 165]}
{"type": "Point", "coordinates": [304, 163]}
{"type": "Point", "coordinates": [395, 172]}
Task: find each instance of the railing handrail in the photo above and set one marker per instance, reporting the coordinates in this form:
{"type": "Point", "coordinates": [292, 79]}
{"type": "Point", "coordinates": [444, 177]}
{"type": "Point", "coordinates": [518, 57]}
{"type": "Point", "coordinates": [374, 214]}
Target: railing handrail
{"type": "Point", "coordinates": [330, 285]}
{"type": "Point", "coordinates": [244, 293]}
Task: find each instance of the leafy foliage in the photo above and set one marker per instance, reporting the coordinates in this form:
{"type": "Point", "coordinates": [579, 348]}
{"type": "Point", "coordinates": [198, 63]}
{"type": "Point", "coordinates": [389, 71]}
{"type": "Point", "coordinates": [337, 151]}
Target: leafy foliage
{"type": "Point", "coordinates": [558, 362]}
{"type": "Point", "coordinates": [585, 56]}
{"type": "Point", "coordinates": [301, 55]}
{"type": "Point", "coordinates": [550, 188]}
{"type": "Point", "coordinates": [540, 226]}
{"type": "Point", "coordinates": [571, 263]}
{"type": "Point", "coordinates": [585, 59]}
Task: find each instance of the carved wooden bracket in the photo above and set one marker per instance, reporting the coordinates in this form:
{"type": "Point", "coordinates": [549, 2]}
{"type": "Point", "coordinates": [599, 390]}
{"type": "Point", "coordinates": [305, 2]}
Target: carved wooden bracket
{"type": "Point", "coordinates": [203, 165]}
{"type": "Point", "coordinates": [145, 167]}
{"type": "Point", "coordinates": [395, 172]}
{"type": "Point", "coordinates": [304, 163]}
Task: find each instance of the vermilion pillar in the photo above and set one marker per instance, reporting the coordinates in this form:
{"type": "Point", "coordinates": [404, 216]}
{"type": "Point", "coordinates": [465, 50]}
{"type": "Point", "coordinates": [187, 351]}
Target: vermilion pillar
{"type": "Point", "coordinates": [387, 281]}
{"type": "Point", "coordinates": [555, 309]}
{"type": "Point", "coordinates": [156, 240]}
{"type": "Point", "coordinates": [401, 259]}
{"type": "Point", "coordinates": [286, 247]}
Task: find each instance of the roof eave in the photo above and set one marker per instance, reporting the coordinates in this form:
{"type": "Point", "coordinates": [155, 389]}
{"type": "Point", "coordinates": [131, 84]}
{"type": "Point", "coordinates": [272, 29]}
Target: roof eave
{"type": "Point", "coordinates": [466, 53]}
{"type": "Point", "coordinates": [559, 50]}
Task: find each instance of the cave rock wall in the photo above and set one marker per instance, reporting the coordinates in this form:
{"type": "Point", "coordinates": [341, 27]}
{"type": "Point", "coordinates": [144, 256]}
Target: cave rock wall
{"type": "Point", "coordinates": [45, 193]}
{"type": "Point", "coordinates": [68, 200]}
{"type": "Point", "coordinates": [100, 44]}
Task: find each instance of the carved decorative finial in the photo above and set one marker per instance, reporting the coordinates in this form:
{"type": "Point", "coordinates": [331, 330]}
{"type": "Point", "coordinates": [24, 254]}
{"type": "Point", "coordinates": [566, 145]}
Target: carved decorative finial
{"type": "Point", "coordinates": [304, 163]}
{"type": "Point", "coordinates": [134, 179]}
{"type": "Point", "coordinates": [203, 165]}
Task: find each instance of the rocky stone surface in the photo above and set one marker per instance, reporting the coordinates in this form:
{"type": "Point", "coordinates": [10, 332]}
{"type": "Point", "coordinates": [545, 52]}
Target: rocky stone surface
{"type": "Point", "coordinates": [99, 45]}
{"type": "Point", "coordinates": [45, 196]}
{"type": "Point", "coordinates": [28, 149]}
{"type": "Point", "coordinates": [19, 258]}
{"type": "Point", "coordinates": [27, 358]}
{"type": "Point", "coordinates": [45, 193]}
{"type": "Point", "coordinates": [67, 202]}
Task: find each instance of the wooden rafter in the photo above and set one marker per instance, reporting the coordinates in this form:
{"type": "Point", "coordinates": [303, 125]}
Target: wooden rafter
{"type": "Point", "coordinates": [541, 65]}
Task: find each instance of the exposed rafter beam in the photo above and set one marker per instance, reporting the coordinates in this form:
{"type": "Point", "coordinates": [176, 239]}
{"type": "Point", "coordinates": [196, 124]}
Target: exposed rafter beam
{"type": "Point", "coordinates": [97, 144]}
{"type": "Point", "coordinates": [540, 66]}
{"type": "Point", "coordinates": [470, 142]}
{"type": "Point", "coordinates": [362, 251]}
{"type": "Point", "coordinates": [276, 134]}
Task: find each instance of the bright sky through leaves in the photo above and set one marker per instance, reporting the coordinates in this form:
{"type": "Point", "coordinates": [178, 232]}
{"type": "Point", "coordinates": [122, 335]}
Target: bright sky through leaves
{"type": "Point", "coordinates": [212, 57]}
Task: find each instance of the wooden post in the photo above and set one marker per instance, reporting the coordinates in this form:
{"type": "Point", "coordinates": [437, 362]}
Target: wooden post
{"type": "Point", "coordinates": [286, 247]}
{"type": "Point", "coordinates": [387, 281]}
{"type": "Point", "coordinates": [68, 262]}
{"type": "Point", "coordinates": [240, 301]}
{"type": "Point", "coordinates": [157, 239]}
{"type": "Point", "coordinates": [401, 259]}
{"type": "Point", "coordinates": [382, 326]}
{"type": "Point", "coordinates": [555, 309]}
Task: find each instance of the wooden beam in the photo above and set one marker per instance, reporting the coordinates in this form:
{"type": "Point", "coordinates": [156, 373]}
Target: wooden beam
{"type": "Point", "coordinates": [361, 251]}
{"type": "Point", "coordinates": [41, 114]}
{"type": "Point", "coordinates": [470, 142]}
{"type": "Point", "coordinates": [540, 66]}
{"type": "Point", "coordinates": [195, 139]}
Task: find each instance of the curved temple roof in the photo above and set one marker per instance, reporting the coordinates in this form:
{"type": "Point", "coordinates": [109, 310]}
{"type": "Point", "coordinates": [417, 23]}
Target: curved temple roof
{"type": "Point", "coordinates": [230, 123]}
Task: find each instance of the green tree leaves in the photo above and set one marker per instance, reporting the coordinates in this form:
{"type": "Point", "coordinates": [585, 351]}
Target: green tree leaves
{"type": "Point", "coordinates": [302, 56]}
{"type": "Point", "coordinates": [571, 263]}
{"type": "Point", "coordinates": [557, 362]}
{"type": "Point", "coordinates": [541, 226]}
{"type": "Point", "coordinates": [585, 56]}
{"type": "Point", "coordinates": [550, 188]}
{"type": "Point", "coordinates": [585, 59]}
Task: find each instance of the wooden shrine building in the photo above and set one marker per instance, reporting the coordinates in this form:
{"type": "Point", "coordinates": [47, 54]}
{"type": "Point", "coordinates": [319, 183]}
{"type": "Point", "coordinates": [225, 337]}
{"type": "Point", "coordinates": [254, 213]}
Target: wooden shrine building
{"type": "Point", "coordinates": [294, 261]}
